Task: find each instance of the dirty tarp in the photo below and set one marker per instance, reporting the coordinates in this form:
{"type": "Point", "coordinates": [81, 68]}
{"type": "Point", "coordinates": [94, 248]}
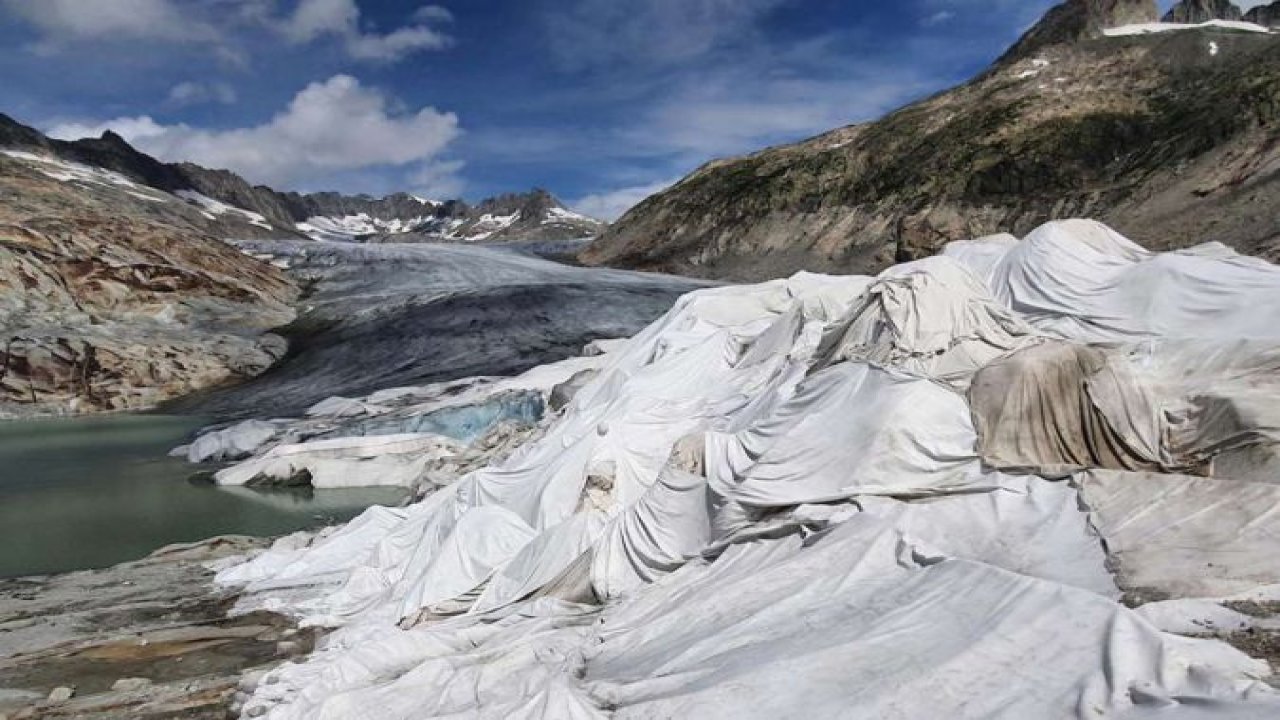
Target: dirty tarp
{"type": "Point", "coordinates": [1033, 413]}
{"type": "Point", "coordinates": [1160, 405]}
{"type": "Point", "coordinates": [1182, 536]}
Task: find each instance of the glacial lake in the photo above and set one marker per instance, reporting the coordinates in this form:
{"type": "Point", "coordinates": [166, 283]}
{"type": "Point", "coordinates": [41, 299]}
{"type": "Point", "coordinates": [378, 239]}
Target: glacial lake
{"type": "Point", "coordinates": [94, 491]}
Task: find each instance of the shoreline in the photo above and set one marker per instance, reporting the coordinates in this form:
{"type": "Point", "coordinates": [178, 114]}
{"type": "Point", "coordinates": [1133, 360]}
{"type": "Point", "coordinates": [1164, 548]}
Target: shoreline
{"type": "Point", "coordinates": [150, 638]}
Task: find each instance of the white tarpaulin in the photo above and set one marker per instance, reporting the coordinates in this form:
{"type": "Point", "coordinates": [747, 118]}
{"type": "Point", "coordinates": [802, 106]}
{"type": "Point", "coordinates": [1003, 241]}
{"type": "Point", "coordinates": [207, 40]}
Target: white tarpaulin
{"type": "Point", "coordinates": [1186, 536]}
{"type": "Point", "coordinates": [771, 504]}
{"type": "Point", "coordinates": [1081, 280]}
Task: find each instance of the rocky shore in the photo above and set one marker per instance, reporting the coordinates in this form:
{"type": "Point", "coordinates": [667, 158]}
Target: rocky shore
{"type": "Point", "coordinates": [148, 639]}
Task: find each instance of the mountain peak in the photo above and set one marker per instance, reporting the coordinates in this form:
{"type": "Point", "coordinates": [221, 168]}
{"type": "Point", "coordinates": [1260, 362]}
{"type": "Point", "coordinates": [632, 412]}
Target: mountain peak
{"type": "Point", "coordinates": [16, 135]}
{"type": "Point", "coordinates": [1076, 20]}
{"type": "Point", "coordinates": [1264, 15]}
{"type": "Point", "coordinates": [1200, 11]}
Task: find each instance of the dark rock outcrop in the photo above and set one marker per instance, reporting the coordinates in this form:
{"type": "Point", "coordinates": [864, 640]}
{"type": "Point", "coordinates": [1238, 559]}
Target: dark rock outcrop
{"type": "Point", "coordinates": [1077, 20]}
{"type": "Point", "coordinates": [1165, 137]}
{"type": "Point", "coordinates": [1264, 15]}
{"type": "Point", "coordinates": [1199, 11]}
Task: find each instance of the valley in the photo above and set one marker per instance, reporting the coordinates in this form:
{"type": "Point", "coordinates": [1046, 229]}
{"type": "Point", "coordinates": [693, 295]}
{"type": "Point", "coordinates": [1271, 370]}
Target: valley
{"type": "Point", "coordinates": [969, 411]}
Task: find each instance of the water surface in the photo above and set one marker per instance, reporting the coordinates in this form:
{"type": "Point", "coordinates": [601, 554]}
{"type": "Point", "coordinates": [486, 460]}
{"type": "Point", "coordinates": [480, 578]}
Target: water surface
{"type": "Point", "coordinates": [91, 492]}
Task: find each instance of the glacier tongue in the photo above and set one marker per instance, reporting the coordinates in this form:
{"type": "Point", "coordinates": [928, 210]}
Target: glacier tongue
{"type": "Point", "coordinates": [775, 502]}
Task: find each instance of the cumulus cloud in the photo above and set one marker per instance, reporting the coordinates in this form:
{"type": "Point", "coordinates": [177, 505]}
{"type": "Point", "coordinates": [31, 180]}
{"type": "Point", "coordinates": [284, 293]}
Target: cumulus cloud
{"type": "Point", "coordinates": [614, 204]}
{"type": "Point", "coordinates": [328, 128]}
{"type": "Point", "coordinates": [189, 93]}
{"type": "Point", "coordinates": [313, 19]}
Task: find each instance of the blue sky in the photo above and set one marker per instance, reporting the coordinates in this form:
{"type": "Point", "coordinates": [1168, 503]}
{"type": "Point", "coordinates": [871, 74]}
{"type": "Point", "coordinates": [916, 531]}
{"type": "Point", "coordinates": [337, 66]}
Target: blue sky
{"type": "Point", "coordinates": [600, 101]}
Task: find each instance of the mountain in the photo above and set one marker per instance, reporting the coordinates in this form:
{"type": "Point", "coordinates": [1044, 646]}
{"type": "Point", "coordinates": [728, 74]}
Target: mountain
{"type": "Point", "coordinates": [233, 207]}
{"type": "Point", "coordinates": [1199, 11]}
{"type": "Point", "coordinates": [1264, 15]}
{"type": "Point", "coordinates": [115, 295]}
{"type": "Point", "coordinates": [1072, 22]}
{"type": "Point", "coordinates": [1171, 137]}
{"type": "Point", "coordinates": [118, 290]}
{"type": "Point", "coordinates": [535, 215]}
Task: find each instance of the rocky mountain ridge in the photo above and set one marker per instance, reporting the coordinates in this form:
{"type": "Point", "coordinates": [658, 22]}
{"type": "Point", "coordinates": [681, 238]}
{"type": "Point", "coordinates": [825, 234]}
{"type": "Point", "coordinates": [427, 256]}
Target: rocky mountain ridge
{"type": "Point", "coordinates": [1079, 20]}
{"type": "Point", "coordinates": [1264, 15]}
{"type": "Point", "coordinates": [116, 296]}
{"type": "Point", "coordinates": [1172, 137]}
{"type": "Point", "coordinates": [322, 215]}
{"type": "Point", "coordinates": [1199, 11]}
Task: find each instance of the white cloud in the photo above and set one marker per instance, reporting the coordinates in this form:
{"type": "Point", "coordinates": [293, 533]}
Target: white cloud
{"type": "Point", "coordinates": [63, 22]}
{"type": "Point", "coordinates": [614, 204]}
{"type": "Point", "coordinates": [729, 110]}
{"type": "Point", "coordinates": [134, 129]}
{"type": "Point", "coordinates": [313, 19]}
{"type": "Point", "coordinates": [328, 128]}
{"type": "Point", "coordinates": [585, 33]}
{"type": "Point", "coordinates": [437, 179]}
{"type": "Point", "coordinates": [938, 18]}
{"type": "Point", "coordinates": [432, 13]}
{"type": "Point", "coordinates": [189, 93]}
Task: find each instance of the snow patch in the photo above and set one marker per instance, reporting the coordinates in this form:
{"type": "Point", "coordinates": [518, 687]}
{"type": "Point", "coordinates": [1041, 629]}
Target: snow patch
{"type": "Point", "coordinates": [214, 208]}
{"type": "Point", "coordinates": [561, 215]}
{"type": "Point", "coordinates": [489, 225]}
{"type": "Point", "coordinates": [1159, 27]}
{"type": "Point", "coordinates": [350, 227]}
{"type": "Point", "coordinates": [65, 171]}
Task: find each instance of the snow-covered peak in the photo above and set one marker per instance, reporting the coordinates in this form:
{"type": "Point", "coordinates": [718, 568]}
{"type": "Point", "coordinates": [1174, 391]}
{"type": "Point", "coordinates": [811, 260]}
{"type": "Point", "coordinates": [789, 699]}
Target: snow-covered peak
{"type": "Point", "coordinates": [351, 227]}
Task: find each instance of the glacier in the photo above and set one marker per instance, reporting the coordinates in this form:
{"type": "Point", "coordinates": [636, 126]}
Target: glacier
{"type": "Point", "coordinates": [1010, 481]}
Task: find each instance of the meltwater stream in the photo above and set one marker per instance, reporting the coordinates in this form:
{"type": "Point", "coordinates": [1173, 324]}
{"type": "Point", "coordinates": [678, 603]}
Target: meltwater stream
{"type": "Point", "coordinates": [91, 492]}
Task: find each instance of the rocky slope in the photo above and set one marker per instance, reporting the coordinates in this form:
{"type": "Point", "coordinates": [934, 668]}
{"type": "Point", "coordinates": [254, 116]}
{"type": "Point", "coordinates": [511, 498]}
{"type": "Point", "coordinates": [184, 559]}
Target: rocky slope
{"type": "Point", "coordinates": [235, 208]}
{"type": "Point", "coordinates": [1199, 11]}
{"type": "Point", "coordinates": [117, 290]}
{"type": "Point", "coordinates": [1264, 15]}
{"type": "Point", "coordinates": [1171, 137]}
{"type": "Point", "coordinates": [114, 296]}
{"type": "Point", "coordinates": [146, 639]}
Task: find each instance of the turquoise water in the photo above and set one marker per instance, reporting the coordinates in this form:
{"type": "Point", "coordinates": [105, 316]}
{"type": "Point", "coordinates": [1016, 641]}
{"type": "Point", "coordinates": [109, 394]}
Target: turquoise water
{"type": "Point", "coordinates": [91, 492]}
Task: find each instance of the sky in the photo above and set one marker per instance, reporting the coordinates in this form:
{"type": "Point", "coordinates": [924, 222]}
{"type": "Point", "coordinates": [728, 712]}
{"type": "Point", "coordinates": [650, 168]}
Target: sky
{"type": "Point", "coordinates": [602, 102]}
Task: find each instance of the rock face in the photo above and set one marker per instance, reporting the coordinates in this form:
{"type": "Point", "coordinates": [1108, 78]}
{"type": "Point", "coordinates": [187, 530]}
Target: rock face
{"type": "Point", "coordinates": [1077, 20]}
{"type": "Point", "coordinates": [257, 211]}
{"type": "Point", "coordinates": [142, 639]}
{"type": "Point", "coordinates": [1199, 11]}
{"type": "Point", "coordinates": [1159, 135]}
{"type": "Point", "coordinates": [1264, 15]}
{"type": "Point", "coordinates": [113, 296]}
